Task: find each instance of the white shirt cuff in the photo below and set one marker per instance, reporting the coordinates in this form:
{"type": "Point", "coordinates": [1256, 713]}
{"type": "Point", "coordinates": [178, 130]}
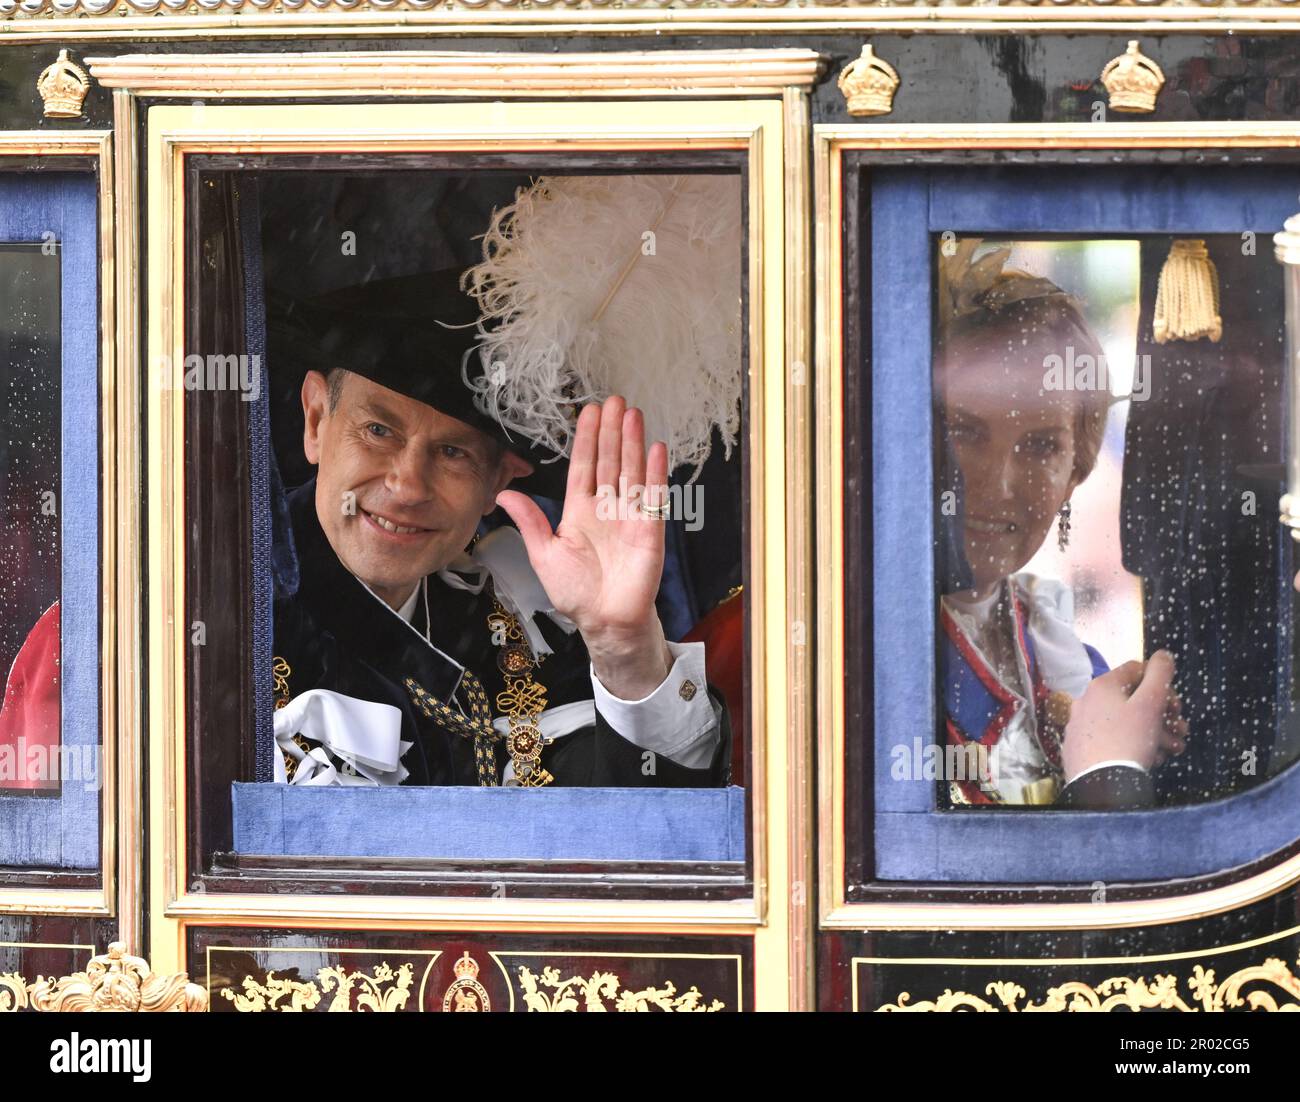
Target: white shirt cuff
{"type": "Point", "coordinates": [677, 720]}
{"type": "Point", "coordinates": [1106, 765]}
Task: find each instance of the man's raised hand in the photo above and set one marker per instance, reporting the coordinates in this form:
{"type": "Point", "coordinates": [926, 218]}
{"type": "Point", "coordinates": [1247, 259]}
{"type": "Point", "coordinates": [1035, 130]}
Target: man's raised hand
{"type": "Point", "coordinates": [602, 566]}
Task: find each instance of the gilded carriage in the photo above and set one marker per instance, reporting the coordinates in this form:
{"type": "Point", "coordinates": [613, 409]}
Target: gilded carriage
{"type": "Point", "coordinates": [154, 158]}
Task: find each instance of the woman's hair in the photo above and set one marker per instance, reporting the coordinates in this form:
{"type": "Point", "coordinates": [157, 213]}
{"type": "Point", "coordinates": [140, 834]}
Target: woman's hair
{"type": "Point", "coordinates": [1039, 326]}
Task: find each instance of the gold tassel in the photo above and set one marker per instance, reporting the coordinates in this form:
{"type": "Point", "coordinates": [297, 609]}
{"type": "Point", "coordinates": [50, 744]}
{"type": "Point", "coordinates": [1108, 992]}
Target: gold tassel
{"type": "Point", "coordinates": [1187, 297]}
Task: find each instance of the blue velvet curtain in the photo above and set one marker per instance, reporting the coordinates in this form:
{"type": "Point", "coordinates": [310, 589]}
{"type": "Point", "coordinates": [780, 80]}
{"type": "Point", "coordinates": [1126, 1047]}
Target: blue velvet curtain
{"type": "Point", "coordinates": [1199, 523]}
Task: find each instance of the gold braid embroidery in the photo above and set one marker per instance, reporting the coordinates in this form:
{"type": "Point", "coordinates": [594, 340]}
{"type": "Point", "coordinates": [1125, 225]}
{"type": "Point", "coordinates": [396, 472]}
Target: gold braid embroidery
{"type": "Point", "coordinates": [522, 702]}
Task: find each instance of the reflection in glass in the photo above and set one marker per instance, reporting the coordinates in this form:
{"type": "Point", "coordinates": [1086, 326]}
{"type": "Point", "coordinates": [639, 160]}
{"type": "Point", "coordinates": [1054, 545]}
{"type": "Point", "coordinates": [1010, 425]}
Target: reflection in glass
{"type": "Point", "coordinates": [1110, 617]}
{"type": "Point", "coordinates": [30, 352]}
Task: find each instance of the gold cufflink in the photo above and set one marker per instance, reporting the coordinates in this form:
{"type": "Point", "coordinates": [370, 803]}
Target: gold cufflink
{"type": "Point", "coordinates": [688, 690]}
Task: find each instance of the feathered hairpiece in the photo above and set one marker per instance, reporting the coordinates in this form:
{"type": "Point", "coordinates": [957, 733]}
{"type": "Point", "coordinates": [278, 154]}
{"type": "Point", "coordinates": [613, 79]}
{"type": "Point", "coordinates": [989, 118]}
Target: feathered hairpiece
{"type": "Point", "coordinates": [967, 285]}
{"type": "Point", "coordinates": [600, 285]}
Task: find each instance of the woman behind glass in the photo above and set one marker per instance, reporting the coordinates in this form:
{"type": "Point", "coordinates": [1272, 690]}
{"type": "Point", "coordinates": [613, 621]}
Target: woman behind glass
{"type": "Point", "coordinates": [1048, 722]}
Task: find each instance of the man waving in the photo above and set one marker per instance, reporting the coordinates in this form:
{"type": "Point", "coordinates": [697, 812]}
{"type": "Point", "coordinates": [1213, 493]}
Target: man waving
{"type": "Point", "coordinates": [527, 657]}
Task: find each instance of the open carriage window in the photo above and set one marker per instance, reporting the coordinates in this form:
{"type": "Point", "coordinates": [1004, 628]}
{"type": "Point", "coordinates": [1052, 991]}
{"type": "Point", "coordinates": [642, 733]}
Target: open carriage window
{"type": "Point", "coordinates": [472, 610]}
{"type": "Point", "coordinates": [49, 522]}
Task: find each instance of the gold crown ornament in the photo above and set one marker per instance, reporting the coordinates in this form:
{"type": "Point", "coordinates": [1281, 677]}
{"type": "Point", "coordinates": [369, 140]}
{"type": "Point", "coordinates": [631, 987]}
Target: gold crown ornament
{"type": "Point", "coordinates": [1132, 81]}
{"type": "Point", "coordinates": [466, 968]}
{"type": "Point", "coordinates": [869, 84]}
{"type": "Point", "coordinates": [63, 87]}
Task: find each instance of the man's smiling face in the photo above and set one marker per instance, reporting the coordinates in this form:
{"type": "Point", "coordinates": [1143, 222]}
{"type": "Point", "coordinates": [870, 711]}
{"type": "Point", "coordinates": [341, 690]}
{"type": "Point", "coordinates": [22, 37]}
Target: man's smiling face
{"type": "Point", "coordinates": [400, 487]}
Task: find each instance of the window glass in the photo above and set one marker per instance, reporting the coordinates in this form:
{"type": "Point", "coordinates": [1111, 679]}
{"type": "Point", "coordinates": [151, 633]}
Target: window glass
{"type": "Point", "coordinates": [1114, 600]}
{"type": "Point", "coordinates": [30, 351]}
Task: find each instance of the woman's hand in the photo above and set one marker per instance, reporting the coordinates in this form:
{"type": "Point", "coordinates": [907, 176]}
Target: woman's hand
{"type": "Point", "coordinates": [1128, 714]}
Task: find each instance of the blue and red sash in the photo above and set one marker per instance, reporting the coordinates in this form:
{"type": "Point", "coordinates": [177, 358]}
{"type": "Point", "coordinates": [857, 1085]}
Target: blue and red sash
{"type": "Point", "coordinates": [978, 706]}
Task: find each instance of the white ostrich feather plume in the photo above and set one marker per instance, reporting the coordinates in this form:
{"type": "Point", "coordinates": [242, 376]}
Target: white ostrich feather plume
{"type": "Point", "coordinates": [600, 285]}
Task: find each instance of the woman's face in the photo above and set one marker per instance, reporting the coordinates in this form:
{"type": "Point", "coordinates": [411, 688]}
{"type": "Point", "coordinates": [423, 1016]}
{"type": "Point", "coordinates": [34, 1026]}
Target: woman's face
{"type": "Point", "coordinates": [1015, 444]}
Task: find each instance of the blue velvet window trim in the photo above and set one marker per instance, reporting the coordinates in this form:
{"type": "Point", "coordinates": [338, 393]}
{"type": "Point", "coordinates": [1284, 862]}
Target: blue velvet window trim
{"type": "Point", "coordinates": [1100, 199]}
{"type": "Point", "coordinates": [260, 462]}
{"type": "Point", "coordinates": [913, 839]}
{"type": "Point", "coordinates": [63, 831]}
{"type": "Point", "coordinates": [580, 824]}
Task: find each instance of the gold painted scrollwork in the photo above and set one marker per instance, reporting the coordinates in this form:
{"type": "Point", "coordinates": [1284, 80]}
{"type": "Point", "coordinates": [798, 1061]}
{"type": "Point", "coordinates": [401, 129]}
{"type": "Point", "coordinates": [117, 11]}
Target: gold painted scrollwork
{"type": "Point", "coordinates": [604, 987]}
{"type": "Point", "coordinates": [269, 993]}
{"type": "Point", "coordinates": [112, 981]}
{"type": "Point", "coordinates": [374, 995]}
{"type": "Point", "coordinates": [1112, 994]}
{"type": "Point", "coordinates": [950, 1000]}
{"type": "Point", "coordinates": [1228, 994]}
{"type": "Point", "coordinates": [1125, 993]}
{"type": "Point", "coordinates": [13, 992]}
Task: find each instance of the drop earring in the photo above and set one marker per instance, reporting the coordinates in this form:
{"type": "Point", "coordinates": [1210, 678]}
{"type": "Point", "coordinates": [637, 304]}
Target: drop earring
{"type": "Point", "coordinates": [1063, 527]}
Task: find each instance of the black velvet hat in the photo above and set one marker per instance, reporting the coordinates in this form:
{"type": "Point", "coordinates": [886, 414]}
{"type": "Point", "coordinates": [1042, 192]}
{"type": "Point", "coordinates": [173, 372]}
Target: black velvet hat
{"type": "Point", "coordinates": [413, 334]}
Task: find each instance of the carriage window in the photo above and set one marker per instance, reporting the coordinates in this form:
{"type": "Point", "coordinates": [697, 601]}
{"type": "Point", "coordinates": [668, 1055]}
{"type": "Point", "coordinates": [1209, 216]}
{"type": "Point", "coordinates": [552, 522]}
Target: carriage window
{"type": "Point", "coordinates": [29, 532]}
{"type": "Point", "coordinates": [1100, 683]}
{"type": "Point", "coordinates": [1108, 443]}
{"type": "Point", "coordinates": [50, 777]}
{"type": "Point", "coordinates": [480, 438]}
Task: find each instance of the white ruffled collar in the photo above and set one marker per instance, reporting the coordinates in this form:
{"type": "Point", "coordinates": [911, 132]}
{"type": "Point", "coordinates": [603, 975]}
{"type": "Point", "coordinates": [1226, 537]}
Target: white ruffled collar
{"type": "Point", "coordinates": [502, 556]}
{"type": "Point", "coordinates": [1062, 660]}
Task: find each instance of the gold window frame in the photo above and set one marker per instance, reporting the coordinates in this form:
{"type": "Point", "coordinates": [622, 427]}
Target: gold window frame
{"type": "Point", "coordinates": [119, 841]}
{"type": "Point", "coordinates": [830, 143]}
{"type": "Point", "coordinates": [773, 133]}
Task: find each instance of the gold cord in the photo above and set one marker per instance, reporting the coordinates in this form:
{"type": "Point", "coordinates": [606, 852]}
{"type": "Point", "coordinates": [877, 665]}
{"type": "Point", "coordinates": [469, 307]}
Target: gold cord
{"type": "Point", "coordinates": [522, 701]}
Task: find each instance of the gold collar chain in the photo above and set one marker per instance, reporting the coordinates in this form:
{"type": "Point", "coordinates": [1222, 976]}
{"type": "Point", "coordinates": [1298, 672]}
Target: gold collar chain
{"type": "Point", "coordinates": [523, 700]}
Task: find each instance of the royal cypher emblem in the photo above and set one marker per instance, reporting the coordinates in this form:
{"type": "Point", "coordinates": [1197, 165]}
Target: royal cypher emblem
{"type": "Point", "coordinates": [466, 994]}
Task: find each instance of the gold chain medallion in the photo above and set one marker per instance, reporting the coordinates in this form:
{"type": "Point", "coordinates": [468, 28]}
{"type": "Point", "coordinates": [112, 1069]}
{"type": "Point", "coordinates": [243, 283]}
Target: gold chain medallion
{"type": "Point", "coordinates": [522, 701]}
